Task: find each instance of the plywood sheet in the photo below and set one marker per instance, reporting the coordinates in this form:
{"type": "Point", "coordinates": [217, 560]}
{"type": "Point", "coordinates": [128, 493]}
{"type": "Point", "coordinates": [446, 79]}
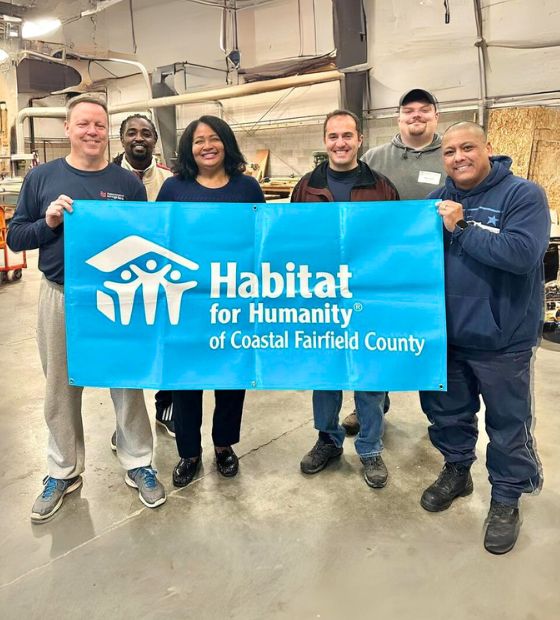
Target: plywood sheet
{"type": "Point", "coordinates": [545, 170]}
{"type": "Point", "coordinates": [510, 132]}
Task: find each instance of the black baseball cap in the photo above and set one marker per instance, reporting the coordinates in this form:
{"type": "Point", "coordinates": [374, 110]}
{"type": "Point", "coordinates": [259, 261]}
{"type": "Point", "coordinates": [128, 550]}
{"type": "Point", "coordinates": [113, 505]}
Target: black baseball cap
{"type": "Point", "coordinates": [418, 94]}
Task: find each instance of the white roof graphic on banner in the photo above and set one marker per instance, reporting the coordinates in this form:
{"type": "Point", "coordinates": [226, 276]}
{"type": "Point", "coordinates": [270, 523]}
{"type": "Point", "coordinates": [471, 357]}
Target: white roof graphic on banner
{"type": "Point", "coordinates": [129, 249]}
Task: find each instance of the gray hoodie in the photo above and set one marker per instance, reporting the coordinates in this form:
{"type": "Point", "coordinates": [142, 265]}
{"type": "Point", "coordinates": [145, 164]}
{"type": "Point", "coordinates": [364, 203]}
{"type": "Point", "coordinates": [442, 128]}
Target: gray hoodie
{"type": "Point", "coordinates": [415, 173]}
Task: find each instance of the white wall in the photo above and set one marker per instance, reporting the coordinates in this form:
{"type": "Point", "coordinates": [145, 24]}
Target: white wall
{"type": "Point", "coordinates": [275, 31]}
{"type": "Point", "coordinates": [411, 46]}
{"type": "Point", "coordinates": [521, 24]}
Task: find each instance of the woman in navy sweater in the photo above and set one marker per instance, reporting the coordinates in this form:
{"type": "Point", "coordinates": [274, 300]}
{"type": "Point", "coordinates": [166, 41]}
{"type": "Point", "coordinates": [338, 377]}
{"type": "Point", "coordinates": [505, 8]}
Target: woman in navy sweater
{"type": "Point", "coordinates": [209, 169]}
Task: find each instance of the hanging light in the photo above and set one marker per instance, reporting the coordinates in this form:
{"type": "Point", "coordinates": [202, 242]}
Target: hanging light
{"type": "Point", "coordinates": [39, 27]}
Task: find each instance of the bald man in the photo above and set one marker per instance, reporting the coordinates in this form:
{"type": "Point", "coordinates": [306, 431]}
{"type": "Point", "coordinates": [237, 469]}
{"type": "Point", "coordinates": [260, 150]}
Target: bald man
{"type": "Point", "coordinates": [496, 231]}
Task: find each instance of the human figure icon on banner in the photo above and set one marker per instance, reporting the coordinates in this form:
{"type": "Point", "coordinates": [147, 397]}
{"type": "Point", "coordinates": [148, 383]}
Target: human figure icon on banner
{"type": "Point", "coordinates": [148, 277]}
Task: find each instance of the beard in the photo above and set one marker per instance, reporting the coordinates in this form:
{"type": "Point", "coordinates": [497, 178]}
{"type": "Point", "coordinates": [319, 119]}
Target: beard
{"type": "Point", "coordinates": [139, 156]}
{"type": "Point", "coordinates": [417, 130]}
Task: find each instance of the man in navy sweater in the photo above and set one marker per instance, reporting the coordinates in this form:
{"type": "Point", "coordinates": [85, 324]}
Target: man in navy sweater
{"type": "Point", "coordinates": [496, 233]}
{"type": "Point", "coordinates": [47, 193]}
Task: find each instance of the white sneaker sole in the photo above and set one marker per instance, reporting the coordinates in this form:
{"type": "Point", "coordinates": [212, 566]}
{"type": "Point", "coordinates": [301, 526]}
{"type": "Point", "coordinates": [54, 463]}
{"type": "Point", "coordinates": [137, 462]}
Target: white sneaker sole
{"type": "Point", "coordinates": [39, 518]}
{"type": "Point", "coordinates": [164, 426]}
{"type": "Point", "coordinates": [130, 482]}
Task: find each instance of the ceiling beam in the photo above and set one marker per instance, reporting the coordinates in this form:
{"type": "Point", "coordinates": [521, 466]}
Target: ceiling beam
{"type": "Point", "coordinates": [13, 10]}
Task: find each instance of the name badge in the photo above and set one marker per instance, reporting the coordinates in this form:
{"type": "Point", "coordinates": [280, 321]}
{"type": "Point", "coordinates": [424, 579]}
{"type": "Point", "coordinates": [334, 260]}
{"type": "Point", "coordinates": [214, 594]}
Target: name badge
{"type": "Point", "coordinates": [433, 178]}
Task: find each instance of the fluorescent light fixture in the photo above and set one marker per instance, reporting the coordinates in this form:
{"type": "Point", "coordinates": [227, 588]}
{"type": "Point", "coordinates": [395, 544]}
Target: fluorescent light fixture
{"type": "Point", "coordinates": [3, 55]}
{"type": "Point", "coordinates": [10, 19]}
{"type": "Point", "coordinates": [39, 27]}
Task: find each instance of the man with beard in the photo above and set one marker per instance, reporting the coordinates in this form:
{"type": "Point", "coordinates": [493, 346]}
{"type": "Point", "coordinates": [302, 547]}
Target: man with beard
{"type": "Point", "coordinates": [139, 138]}
{"type": "Point", "coordinates": [412, 160]}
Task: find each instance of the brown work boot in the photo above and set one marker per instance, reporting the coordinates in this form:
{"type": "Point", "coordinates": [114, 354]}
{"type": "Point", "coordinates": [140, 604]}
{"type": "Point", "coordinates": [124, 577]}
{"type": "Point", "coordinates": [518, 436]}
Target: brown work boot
{"type": "Point", "coordinates": [351, 424]}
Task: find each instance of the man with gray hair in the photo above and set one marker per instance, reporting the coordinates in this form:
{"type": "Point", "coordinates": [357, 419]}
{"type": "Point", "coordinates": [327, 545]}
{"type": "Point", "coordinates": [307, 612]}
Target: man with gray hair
{"type": "Point", "coordinates": [47, 193]}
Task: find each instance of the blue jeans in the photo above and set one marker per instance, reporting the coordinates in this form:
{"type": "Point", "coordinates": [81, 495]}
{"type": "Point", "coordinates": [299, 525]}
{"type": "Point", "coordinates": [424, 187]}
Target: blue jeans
{"type": "Point", "coordinates": [369, 408]}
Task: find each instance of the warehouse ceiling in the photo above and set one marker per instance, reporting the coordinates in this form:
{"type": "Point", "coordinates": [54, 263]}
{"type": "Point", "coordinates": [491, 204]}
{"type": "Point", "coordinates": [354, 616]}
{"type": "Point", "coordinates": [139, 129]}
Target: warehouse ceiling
{"type": "Point", "coordinates": [460, 49]}
{"type": "Point", "coordinates": [73, 9]}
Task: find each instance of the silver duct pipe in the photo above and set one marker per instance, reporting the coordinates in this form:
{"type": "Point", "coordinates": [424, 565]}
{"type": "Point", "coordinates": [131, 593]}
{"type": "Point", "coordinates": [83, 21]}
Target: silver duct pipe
{"type": "Point", "coordinates": [482, 77]}
{"type": "Point", "coordinates": [61, 61]}
{"type": "Point", "coordinates": [33, 113]}
{"type": "Point", "coordinates": [218, 94]}
{"type": "Point", "coordinates": [230, 92]}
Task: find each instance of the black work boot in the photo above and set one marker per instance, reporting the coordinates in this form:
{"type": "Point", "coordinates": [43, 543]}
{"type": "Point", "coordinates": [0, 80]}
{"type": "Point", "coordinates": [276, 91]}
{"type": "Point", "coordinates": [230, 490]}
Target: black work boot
{"type": "Point", "coordinates": [319, 456]}
{"type": "Point", "coordinates": [502, 528]}
{"type": "Point", "coordinates": [454, 481]}
{"type": "Point", "coordinates": [351, 424]}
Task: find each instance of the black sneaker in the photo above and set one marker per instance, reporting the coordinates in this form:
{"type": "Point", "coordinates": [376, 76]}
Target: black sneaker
{"type": "Point", "coordinates": [164, 417]}
{"type": "Point", "coordinates": [375, 472]}
{"type": "Point", "coordinates": [454, 481]}
{"type": "Point", "coordinates": [351, 424]}
{"type": "Point", "coordinates": [502, 528]}
{"type": "Point", "coordinates": [319, 456]}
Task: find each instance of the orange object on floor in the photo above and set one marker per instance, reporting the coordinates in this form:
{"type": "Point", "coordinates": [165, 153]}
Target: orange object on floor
{"type": "Point", "coordinates": [11, 263]}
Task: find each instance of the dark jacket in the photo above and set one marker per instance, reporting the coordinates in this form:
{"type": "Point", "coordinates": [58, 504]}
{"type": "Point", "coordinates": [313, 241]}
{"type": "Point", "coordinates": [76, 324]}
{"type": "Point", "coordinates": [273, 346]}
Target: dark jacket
{"type": "Point", "coordinates": [494, 268]}
{"type": "Point", "coordinates": [369, 186]}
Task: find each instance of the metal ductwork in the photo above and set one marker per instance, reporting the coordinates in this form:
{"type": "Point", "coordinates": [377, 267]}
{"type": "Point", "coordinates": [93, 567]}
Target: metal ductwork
{"type": "Point", "coordinates": [217, 94]}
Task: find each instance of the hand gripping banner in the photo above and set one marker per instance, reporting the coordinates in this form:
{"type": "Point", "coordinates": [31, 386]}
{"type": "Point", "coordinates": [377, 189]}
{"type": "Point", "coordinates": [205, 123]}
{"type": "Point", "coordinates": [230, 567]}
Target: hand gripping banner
{"type": "Point", "coordinates": [264, 296]}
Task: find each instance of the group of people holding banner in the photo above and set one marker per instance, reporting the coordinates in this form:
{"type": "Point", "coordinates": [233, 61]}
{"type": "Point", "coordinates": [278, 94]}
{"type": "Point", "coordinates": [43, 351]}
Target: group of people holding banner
{"type": "Point", "coordinates": [496, 229]}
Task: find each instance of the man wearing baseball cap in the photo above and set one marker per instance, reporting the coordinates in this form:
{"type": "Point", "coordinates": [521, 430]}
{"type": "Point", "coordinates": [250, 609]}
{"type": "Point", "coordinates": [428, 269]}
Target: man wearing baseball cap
{"type": "Point", "coordinates": [412, 161]}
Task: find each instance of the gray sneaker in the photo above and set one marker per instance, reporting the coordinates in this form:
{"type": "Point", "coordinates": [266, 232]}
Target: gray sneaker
{"type": "Point", "coordinates": [375, 472]}
{"type": "Point", "coordinates": [150, 489]}
{"type": "Point", "coordinates": [52, 497]}
{"type": "Point", "coordinates": [114, 441]}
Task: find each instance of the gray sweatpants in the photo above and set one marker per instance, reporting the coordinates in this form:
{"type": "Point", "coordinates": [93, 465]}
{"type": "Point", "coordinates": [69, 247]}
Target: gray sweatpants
{"type": "Point", "coordinates": [63, 402]}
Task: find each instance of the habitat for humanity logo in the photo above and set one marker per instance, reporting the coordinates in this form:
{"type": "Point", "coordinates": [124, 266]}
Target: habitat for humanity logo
{"type": "Point", "coordinates": [137, 263]}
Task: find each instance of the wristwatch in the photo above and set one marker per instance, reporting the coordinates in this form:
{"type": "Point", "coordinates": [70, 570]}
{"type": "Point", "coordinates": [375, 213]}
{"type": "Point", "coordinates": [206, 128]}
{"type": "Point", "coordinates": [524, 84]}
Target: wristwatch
{"type": "Point", "coordinates": [462, 224]}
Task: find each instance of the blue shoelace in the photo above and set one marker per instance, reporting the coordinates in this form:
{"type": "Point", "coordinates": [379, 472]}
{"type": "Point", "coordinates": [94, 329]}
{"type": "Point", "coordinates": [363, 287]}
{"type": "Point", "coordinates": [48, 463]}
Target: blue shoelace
{"type": "Point", "coordinates": [50, 487]}
{"type": "Point", "coordinates": [149, 477]}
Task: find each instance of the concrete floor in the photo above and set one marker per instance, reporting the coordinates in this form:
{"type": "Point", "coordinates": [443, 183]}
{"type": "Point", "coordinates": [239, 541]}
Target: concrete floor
{"type": "Point", "coordinates": [271, 543]}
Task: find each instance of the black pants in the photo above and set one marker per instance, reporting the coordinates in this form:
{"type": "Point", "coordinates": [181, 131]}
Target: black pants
{"type": "Point", "coordinates": [163, 404]}
{"type": "Point", "coordinates": [504, 382]}
{"type": "Point", "coordinates": [187, 414]}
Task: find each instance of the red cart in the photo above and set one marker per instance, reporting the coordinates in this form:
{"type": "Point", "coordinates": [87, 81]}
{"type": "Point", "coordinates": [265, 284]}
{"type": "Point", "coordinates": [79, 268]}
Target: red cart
{"type": "Point", "coordinates": [11, 263]}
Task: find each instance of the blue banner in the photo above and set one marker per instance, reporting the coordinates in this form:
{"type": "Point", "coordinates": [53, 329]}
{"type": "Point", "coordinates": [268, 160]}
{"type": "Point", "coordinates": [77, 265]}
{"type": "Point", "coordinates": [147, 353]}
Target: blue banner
{"type": "Point", "coordinates": [263, 296]}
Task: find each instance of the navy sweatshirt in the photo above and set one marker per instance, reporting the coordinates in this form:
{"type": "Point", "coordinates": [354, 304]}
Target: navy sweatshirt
{"type": "Point", "coordinates": [28, 228]}
{"type": "Point", "coordinates": [494, 268]}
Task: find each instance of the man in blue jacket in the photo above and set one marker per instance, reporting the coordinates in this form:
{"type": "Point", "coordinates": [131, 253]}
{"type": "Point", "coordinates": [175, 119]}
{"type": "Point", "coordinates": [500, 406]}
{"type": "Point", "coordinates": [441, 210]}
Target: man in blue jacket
{"type": "Point", "coordinates": [496, 233]}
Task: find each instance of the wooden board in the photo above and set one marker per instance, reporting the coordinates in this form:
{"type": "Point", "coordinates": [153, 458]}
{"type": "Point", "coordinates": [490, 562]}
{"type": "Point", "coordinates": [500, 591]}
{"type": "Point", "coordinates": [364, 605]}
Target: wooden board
{"type": "Point", "coordinates": [545, 169]}
{"type": "Point", "coordinates": [258, 167]}
{"type": "Point", "coordinates": [531, 137]}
